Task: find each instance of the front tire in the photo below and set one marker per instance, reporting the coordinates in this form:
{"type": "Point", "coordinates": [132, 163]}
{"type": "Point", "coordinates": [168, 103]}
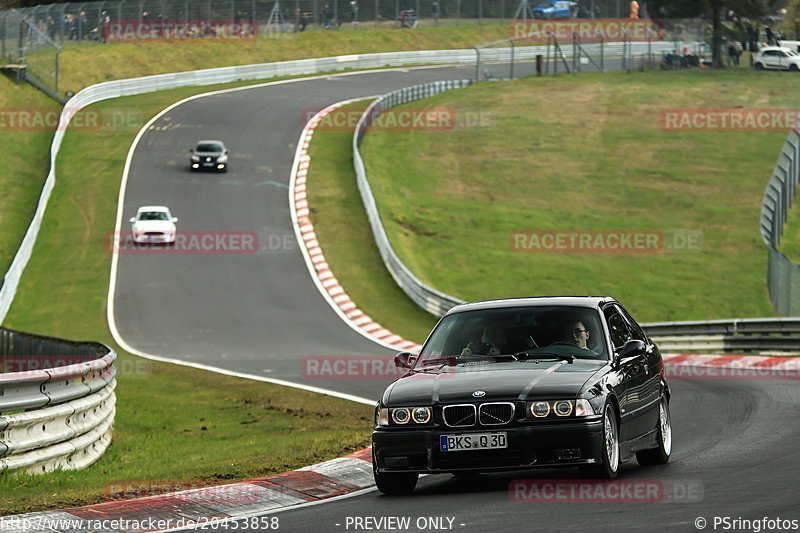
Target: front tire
{"type": "Point", "coordinates": [793, 68]}
{"type": "Point", "coordinates": [759, 66]}
{"type": "Point", "coordinates": [609, 465]}
{"type": "Point", "coordinates": [660, 455]}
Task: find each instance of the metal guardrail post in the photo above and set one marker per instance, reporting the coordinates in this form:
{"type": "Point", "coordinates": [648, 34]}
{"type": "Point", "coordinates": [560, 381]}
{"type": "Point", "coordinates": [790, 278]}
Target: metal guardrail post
{"type": "Point", "coordinates": [513, 53]}
{"type": "Point", "coordinates": [477, 63]}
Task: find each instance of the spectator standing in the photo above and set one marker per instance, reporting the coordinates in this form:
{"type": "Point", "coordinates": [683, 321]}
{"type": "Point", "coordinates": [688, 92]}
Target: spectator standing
{"type": "Point", "coordinates": [354, 10]}
{"type": "Point", "coordinates": [436, 12]}
{"type": "Point", "coordinates": [634, 9]}
{"type": "Point", "coordinates": [770, 35]}
{"type": "Point", "coordinates": [731, 54]}
{"type": "Point", "coordinates": [105, 24]}
{"type": "Point", "coordinates": [326, 16]}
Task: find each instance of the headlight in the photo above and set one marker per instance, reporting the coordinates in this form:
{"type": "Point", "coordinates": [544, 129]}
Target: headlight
{"type": "Point", "coordinates": [222, 159]}
{"type": "Point", "coordinates": [540, 409]}
{"type": "Point", "coordinates": [382, 416]}
{"type": "Point", "coordinates": [563, 408]}
{"type": "Point", "coordinates": [401, 416]}
{"type": "Point", "coordinates": [421, 415]}
{"type": "Point", "coordinates": [583, 408]}
{"type": "Point", "coordinates": [195, 158]}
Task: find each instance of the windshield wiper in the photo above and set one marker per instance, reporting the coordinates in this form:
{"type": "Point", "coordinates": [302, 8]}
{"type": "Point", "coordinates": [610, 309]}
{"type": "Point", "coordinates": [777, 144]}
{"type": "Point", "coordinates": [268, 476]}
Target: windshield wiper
{"type": "Point", "coordinates": [528, 356]}
{"type": "Point", "coordinates": [438, 363]}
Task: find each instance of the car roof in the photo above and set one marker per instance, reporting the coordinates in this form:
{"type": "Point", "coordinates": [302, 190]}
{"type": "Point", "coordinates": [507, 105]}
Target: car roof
{"type": "Point", "coordinates": [534, 301]}
{"type": "Point", "coordinates": [153, 208]}
{"type": "Point", "coordinates": [211, 141]}
{"type": "Point", "coordinates": [781, 48]}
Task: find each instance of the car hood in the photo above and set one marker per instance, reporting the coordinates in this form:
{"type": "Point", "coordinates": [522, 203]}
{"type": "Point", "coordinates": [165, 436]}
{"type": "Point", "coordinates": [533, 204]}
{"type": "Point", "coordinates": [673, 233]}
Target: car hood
{"type": "Point", "coordinates": [499, 381]}
{"type": "Point", "coordinates": [153, 225]}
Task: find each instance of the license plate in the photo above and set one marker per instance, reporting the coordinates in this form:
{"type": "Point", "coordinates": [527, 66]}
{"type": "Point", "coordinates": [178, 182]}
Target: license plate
{"type": "Point", "coordinates": [208, 164]}
{"type": "Point", "coordinates": [473, 441]}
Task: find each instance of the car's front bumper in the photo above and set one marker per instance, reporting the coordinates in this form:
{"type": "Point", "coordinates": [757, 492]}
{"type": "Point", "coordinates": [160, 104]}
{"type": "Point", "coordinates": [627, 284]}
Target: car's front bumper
{"type": "Point", "coordinates": [533, 445]}
{"type": "Point", "coordinates": [208, 165]}
{"type": "Point", "coordinates": [154, 239]}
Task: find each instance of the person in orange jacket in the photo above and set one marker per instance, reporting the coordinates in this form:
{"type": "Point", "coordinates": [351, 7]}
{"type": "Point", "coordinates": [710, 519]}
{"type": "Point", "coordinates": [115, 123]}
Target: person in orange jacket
{"type": "Point", "coordinates": [634, 9]}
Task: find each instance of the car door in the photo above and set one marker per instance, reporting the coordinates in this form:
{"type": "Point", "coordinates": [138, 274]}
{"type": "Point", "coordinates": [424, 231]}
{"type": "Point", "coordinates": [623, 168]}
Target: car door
{"type": "Point", "coordinates": [631, 371]}
{"type": "Point", "coordinates": [651, 386]}
{"type": "Point", "coordinates": [783, 60]}
{"type": "Point", "coordinates": [771, 59]}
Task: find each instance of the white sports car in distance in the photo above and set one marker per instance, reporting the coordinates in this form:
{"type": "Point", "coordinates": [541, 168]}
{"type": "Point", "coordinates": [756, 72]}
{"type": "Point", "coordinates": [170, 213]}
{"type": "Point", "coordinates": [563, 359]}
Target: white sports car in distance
{"type": "Point", "coordinates": [153, 224]}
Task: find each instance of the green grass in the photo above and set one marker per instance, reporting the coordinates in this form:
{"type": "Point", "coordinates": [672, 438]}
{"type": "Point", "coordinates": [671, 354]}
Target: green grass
{"type": "Point", "coordinates": [790, 241]}
{"type": "Point", "coordinates": [252, 429]}
{"type": "Point", "coordinates": [24, 162]}
{"type": "Point", "coordinates": [343, 230]}
{"type": "Point", "coordinates": [586, 153]}
{"type": "Point", "coordinates": [93, 63]}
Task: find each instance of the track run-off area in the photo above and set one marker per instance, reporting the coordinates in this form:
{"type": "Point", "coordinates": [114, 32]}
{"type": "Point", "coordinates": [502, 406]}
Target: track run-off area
{"type": "Point", "coordinates": [260, 314]}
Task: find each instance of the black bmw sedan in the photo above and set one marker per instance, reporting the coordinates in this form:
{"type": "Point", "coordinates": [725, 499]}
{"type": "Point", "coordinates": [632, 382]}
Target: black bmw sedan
{"type": "Point", "coordinates": [524, 383]}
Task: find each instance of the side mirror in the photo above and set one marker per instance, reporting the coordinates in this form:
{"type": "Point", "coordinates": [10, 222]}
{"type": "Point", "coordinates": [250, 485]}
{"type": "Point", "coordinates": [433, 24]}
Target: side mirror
{"type": "Point", "coordinates": [632, 348]}
{"type": "Point", "coordinates": [132, 220]}
{"type": "Point", "coordinates": [174, 219]}
{"type": "Point", "coordinates": [191, 150]}
{"type": "Point", "coordinates": [404, 360]}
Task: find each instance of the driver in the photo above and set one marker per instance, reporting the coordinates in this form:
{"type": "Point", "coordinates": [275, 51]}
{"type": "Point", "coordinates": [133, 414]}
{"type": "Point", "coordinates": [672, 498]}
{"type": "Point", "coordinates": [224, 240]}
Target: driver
{"type": "Point", "coordinates": [491, 339]}
{"type": "Point", "coordinates": [578, 334]}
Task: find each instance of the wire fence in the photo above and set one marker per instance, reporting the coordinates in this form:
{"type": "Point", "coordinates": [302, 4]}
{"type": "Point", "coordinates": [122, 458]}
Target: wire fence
{"type": "Point", "coordinates": [116, 20]}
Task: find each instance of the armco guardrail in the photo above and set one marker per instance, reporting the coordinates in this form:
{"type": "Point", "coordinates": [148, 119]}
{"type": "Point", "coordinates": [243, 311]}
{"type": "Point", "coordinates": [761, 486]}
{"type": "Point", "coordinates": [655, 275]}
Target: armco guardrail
{"type": "Point", "coordinates": [435, 302]}
{"type": "Point", "coordinates": [57, 402]}
{"type": "Point", "coordinates": [115, 89]}
{"type": "Point", "coordinates": [737, 335]}
{"type": "Point", "coordinates": [783, 276]}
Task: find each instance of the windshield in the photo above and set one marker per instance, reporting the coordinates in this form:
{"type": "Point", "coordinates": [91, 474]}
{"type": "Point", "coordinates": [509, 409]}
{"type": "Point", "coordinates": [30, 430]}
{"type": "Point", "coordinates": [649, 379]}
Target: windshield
{"type": "Point", "coordinates": [153, 215]}
{"type": "Point", "coordinates": [539, 332]}
{"type": "Point", "coordinates": [208, 147]}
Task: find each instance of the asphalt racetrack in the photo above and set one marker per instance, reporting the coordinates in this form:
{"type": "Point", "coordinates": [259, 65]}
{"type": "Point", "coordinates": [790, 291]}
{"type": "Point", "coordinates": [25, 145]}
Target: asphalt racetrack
{"type": "Point", "coordinates": [735, 441]}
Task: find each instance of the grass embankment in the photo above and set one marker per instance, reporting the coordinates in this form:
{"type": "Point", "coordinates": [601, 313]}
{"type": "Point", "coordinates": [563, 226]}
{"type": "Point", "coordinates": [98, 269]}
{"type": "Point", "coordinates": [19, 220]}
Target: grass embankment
{"type": "Point", "coordinates": [24, 160]}
{"type": "Point", "coordinates": [174, 426]}
{"type": "Point", "coordinates": [586, 153]}
{"type": "Point", "coordinates": [93, 63]}
{"type": "Point", "coordinates": [790, 241]}
{"type": "Point", "coordinates": [343, 230]}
